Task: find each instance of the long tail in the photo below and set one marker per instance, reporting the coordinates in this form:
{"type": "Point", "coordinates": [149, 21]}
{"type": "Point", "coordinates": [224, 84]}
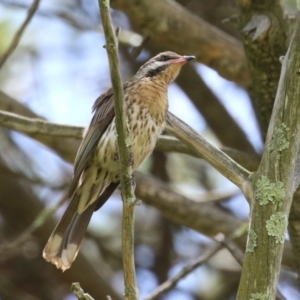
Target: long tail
{"type": "Point", "coordinates": [65, 240]}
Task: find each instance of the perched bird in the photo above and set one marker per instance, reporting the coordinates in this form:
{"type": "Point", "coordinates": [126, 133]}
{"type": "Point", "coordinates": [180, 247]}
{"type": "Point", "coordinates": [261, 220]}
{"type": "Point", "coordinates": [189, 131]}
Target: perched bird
{"type": "Point", "coordinates": [96, 167]}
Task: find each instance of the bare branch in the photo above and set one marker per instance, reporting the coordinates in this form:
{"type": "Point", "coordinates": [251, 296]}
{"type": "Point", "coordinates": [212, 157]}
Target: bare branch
{"type": "Point", "coordinates": [224, 164]}
{"type": "Point", "coordinates": [16, 39]}
{"type": "Point", "coordinates": [33, 127]}
{"type": "Point", "coordinates": [131, 289]}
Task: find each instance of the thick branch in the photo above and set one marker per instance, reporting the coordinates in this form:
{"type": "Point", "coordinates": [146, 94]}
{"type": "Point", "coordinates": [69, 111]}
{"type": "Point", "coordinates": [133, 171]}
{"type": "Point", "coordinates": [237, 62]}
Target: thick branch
{"type": "Point", "coordinates": [131, 290]}
{"type": "Point", "coordinates": [273, 184]}
{"type": "Point", "coordinates": [265, 34]}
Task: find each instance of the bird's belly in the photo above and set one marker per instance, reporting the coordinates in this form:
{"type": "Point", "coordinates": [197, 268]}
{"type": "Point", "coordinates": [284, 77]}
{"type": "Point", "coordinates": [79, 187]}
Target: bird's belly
{"type": "Point", "coordinates": [143, 140]}
{"type": "Point", "coordinates": [143, 134]}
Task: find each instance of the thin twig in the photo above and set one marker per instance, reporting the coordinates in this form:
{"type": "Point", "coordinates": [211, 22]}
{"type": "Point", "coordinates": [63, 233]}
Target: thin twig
{"type": "Point", "coordinates": [165, 143]}
{"type": "Point", "coordinates": [131, 290]}
{"type": "Point", "coordinates": [223, 163]}
{"type": "Point", "coordinates": [167, 285]}
{"type": "Point", "coordinates": [79, 292]}
{"type": "Point", "coordinates": [37, 223]}
{"type": "Point", "coordinates": [18, 35]}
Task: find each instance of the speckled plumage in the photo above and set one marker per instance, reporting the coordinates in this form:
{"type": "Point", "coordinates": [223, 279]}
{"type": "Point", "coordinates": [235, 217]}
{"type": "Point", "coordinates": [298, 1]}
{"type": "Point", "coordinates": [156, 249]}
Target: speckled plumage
{"type": "Point", "coordinates": [96, 167]}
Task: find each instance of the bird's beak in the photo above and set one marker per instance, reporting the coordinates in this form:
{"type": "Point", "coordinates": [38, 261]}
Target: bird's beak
{"type": "Point", "coordinates": [182, 60]}
{"type": "Point", "coordinates": [188, 58]}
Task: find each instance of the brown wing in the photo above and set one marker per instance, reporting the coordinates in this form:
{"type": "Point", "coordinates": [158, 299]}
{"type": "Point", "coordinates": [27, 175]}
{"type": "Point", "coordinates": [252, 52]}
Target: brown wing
{"type": "Point", "coordinates": [104, 113]}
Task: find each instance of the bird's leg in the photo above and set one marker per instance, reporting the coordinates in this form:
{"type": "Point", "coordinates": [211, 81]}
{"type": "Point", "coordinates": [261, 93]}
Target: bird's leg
{"type": "Point", "coordinates": [133, 183]}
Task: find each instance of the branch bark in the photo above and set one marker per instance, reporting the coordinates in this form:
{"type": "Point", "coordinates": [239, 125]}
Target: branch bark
{"type": "Point", "coordinates": [273, 184]}
{"type": "Point", "coordinates": [127, 190]}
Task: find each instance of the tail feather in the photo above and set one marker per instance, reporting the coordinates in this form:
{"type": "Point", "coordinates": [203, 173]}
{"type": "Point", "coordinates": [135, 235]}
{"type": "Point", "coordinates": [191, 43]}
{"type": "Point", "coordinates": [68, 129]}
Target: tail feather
{"type": "Point", "coordinates": [65, 241]}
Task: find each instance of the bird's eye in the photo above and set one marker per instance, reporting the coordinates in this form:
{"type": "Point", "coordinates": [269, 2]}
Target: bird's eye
{"type": "Point", "coordinates": [164, 58]}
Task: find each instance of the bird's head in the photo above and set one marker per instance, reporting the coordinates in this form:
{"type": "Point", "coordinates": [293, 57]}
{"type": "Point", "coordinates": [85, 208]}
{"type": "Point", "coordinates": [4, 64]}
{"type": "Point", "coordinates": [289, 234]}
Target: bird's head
{"type": "Point", "coordinates": [164, 66]}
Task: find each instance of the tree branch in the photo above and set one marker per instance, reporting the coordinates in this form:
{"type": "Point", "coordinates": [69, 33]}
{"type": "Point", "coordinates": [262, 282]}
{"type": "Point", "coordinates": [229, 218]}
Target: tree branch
{"type": "Point", "coordinates": [264, 30]}
{"type": "Point", "coordinates": [219, 160]}
{"type": "Point", "coordinates": [273, 184]}
{"type": "Point", "coordinates": [38, 129]}
{"type": "Point", "coordinates": [170, 144]}
{"type": "Point", "coordinates": [131, 289]}
{"type": "Point", "coordinates": [16, 39]}
{"type": "Point", "coordinates": [33, 126]}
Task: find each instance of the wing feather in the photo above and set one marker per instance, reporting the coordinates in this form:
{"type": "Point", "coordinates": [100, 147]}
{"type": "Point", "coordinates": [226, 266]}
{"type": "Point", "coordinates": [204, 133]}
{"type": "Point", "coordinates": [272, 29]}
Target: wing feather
{"type": "Point", "coordinates": [104, 113]}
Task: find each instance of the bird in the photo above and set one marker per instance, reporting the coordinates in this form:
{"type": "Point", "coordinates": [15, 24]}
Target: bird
{"type": "Point", "coordinates": [96, 166]}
